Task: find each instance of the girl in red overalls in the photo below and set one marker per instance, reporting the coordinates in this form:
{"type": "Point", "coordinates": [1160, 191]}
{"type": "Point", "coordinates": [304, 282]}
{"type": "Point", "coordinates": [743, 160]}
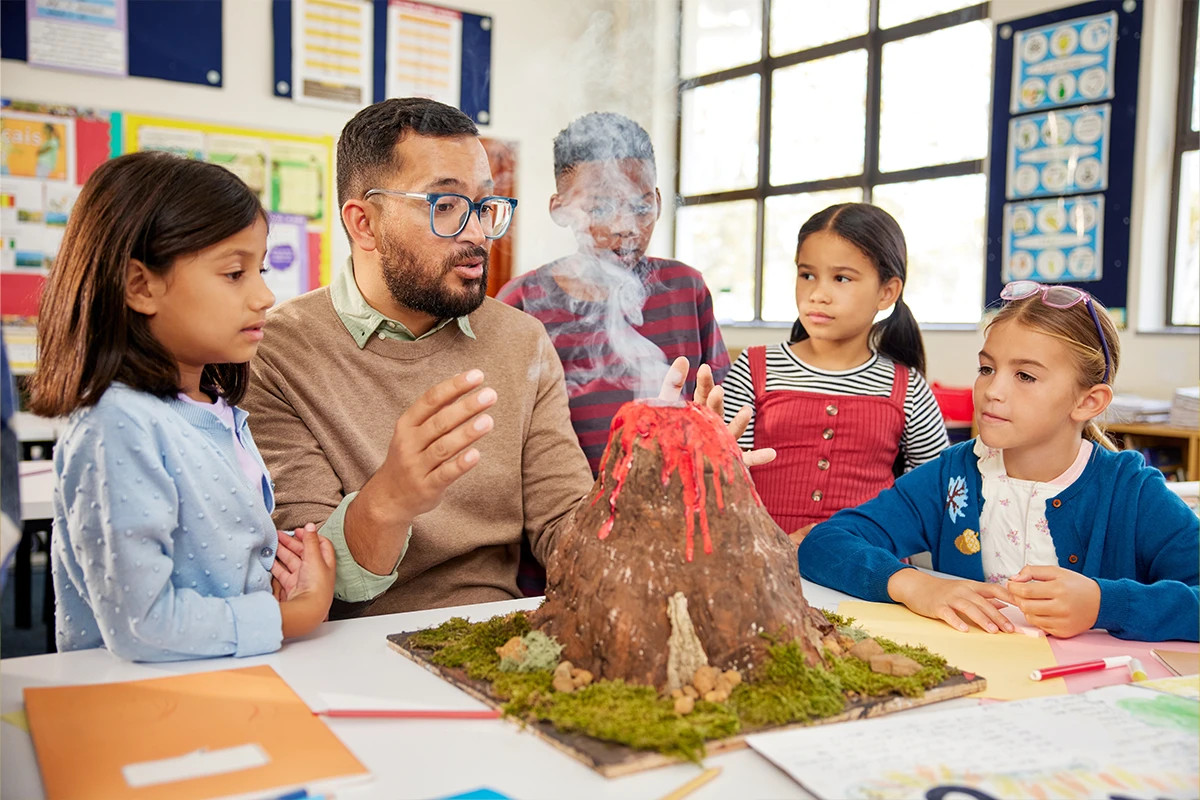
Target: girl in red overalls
{"type": "Point", "coordinates": [844, 403]}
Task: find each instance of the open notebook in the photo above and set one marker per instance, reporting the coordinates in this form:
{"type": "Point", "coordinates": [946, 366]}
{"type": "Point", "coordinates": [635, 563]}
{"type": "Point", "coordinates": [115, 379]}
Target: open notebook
{"type": "Point", "coordinates": [232, 733]}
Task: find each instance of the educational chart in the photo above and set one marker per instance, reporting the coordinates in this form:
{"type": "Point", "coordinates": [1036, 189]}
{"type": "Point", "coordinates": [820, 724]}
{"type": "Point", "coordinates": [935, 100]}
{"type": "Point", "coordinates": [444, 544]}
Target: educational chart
{"type": "Point", "coordinates": [332, 52]}
{"type": "Point", "coordinates": [287, 256]}
{"type": "Point", "coordinates": [424, 52]}
{"type": "Point", "coordinates": [1058, 152]}
{"type": "Point", "coordinates": [290, 173]}
{"type": "Point", "coordinates": [78, 35]}
{"type": "Point", "coordinates": [1064, 64]}
{"type": "Point", "coordinates": [1126, 742]}
{"type": "Point", "coordinates": [1055, 240]}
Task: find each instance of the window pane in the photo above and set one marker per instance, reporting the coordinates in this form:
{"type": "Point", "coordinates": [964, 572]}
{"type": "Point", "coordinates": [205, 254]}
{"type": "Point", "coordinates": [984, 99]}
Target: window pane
{"type": "Point", "coordinates": [819, 119]}
{"type": "Point", "coordinates": [800, 24]}
{"type": "Point", "coordinates": [898, 12]}
{"type": "Point", "coordinates": [719, 34]}
{"type": "Point", "coordinates": [785, 215]}
{"type": "Point", "coordinates": [718, 240]}
{"type": "Point", "coordinates": [924, 121]}
{"type": "Point", "coordinates": [720, 137]}
{"type": "Point", "coordinates": [1186, 298]}
{"type": "Point", "coordinates": [942, 221]}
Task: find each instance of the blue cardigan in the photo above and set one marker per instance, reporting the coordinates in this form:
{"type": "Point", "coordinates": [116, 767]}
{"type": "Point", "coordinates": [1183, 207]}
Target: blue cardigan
{"type": "Point", "coordinates": [1118, 524]}
{"type": "Point", "coordinates": [162, 550]}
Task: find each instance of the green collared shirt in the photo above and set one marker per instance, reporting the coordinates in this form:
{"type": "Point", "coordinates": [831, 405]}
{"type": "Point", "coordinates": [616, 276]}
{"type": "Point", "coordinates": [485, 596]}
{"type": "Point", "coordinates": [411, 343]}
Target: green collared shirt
{"type": "Point", "coordinates": [363, 321]}
{"type": "Point", "coordinates": [354, 583]}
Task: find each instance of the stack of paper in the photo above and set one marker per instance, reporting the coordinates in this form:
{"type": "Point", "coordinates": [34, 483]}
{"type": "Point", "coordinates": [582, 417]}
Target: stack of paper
{"type": "Point", "coordinates": [1185, 409]}
{"type": "Point", "coordinates": [1130, 408]}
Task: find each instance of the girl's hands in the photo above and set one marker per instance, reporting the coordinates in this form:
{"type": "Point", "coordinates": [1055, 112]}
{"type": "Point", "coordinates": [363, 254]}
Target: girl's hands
{"type": "Point", "coordinates": [308, 601]}
{"type": "Point", "coordinates": [797, 536]}
{"type": "Point", "coordinates": [952, 601]}
{"type": "Point", "coordinates": [285, 572]}
{"type": "Point", "coordinates": [1060, 602]}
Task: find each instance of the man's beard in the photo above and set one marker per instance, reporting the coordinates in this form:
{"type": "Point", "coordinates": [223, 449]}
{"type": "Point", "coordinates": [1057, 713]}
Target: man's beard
{"type": "Point", "coordinates": [412, 286]}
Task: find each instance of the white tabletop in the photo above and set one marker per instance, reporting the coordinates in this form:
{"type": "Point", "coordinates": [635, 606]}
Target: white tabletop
{"type": "Point", "coordinates": [409, 758]}
{"type": "Point", "coordinates": [37, 490]}
{"type": "Point", "coordinates": [32, 428]}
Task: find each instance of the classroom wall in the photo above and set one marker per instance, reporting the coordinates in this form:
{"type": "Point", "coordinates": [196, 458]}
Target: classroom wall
{"type": "Point", "coordinates": [551, 62]}
{"type": "Point", "coordinates": [1152, 363]}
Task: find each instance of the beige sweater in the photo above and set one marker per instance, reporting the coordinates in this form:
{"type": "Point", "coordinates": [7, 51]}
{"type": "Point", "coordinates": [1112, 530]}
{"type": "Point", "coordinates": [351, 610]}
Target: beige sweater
{"type": "Point", "coordinates": [322, 412]}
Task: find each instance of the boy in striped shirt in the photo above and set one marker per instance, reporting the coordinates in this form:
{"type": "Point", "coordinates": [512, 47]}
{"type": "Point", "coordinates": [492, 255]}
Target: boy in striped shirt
{"type": "Point", "coordinates": [617, 318]}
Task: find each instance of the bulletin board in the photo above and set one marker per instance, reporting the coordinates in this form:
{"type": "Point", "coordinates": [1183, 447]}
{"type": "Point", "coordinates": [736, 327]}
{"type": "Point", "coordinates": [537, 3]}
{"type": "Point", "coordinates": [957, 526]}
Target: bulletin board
{"type": "Point", "coordinates": [49, 152]}
{"type": "Point", "coordinates": [172, 40]}
{"type": "Point", "coordinates": [415, 49]}
{"type": "Point", "coordinates": [1064, 118]}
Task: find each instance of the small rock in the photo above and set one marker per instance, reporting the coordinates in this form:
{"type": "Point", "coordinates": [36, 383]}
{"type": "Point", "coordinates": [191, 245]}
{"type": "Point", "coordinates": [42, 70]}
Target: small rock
{"type": "Point", "coordinates": [563, 683]}
{"type": "Point", "coordinates": [723, 685]}
{"type": "Point", "coordinates": [865, 649]}
{"type": "Point", "coordinates": [563, 670]}
{"type": "Point", "coordinates": [705, 679]}
{"type": "Point", "coordinates": [684, 705]}
{"type": "Point", "coordinates": [690, 691]}
{"type": "Point", "coordinates": [846, 642]}
{"type": "Point", "coordinates": [514, 648]}
{"type": "Point", "coordinates": [716, 697]}
{"type": "Point", "coordinates": [894, 664]}
{"type": "Point", "coordinates": [581, 678]}
{"type": "Point", "coordinates": [678, 693]}
{"type": "Point", "coordinates": [733, 676]}
{"type": "Point", "coordinates": [831, 644]}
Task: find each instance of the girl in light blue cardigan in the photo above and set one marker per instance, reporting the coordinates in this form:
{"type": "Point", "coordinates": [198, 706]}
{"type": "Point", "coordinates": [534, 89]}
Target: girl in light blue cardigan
{"type": "Point", "coordinates": [1039, 511]}
{"type": "Point", "coordinates": [163, 545]}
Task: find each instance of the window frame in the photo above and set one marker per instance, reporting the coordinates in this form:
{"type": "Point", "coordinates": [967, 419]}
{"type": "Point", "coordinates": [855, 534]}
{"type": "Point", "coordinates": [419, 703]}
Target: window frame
{"type": "Point", "coordinates": [1186, 140]}
{"type": "Point", "coordinates": [873, 42]}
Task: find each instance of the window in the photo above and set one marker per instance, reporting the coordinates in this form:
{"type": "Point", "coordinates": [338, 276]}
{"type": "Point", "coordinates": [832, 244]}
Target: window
{"type": "Point", "coordinates": [789, 106]}
{"type": "Point", "coordinates": [1183, 277]}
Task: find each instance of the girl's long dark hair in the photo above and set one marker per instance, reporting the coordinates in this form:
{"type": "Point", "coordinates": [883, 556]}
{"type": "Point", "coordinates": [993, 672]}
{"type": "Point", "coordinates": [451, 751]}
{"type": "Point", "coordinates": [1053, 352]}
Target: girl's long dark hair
{"type": "Point", "coordinates": [878, 236]}
{"type": "Point", "coordinates": [153, 207]}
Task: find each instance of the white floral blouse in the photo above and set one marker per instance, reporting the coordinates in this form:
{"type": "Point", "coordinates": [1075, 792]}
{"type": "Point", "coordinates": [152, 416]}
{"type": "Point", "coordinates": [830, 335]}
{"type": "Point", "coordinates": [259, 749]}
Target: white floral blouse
{"type": "Point", "coordinates": [1013, 530]}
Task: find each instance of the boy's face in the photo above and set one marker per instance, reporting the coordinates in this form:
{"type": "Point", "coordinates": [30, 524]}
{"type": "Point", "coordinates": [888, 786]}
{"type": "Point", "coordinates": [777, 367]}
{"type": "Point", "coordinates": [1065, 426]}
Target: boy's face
{"type": "Point", "coordinates": [611, 206]}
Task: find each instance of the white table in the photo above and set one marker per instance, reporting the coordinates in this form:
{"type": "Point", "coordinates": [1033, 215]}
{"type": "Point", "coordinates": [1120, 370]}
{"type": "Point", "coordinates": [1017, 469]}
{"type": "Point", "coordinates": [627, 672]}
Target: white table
{"type": "Point", "coordinates": [409, 758]}
{"type": "Point", "coordinates": [37, 490]}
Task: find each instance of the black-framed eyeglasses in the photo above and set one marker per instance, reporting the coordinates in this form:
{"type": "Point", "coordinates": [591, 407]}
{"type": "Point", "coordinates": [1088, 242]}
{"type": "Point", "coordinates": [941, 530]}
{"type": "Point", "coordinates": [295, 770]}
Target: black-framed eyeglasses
{"type": "Point", "coordinates": [1059, 296]}
{"type": "Point", "coordinates": [449, 212]}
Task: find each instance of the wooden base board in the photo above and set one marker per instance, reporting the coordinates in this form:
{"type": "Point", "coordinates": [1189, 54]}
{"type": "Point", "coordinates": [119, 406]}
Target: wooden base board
{"type": "Point", "coordinates": [613, 760]}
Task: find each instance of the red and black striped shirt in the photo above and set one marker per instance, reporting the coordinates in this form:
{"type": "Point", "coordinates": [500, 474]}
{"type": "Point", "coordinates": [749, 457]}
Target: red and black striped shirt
{"type": "Point", "coordinates": [610, 354]}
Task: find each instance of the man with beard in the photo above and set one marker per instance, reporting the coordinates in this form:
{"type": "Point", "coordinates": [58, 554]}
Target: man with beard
{"type": "Point", "coordinates": [426, 493]}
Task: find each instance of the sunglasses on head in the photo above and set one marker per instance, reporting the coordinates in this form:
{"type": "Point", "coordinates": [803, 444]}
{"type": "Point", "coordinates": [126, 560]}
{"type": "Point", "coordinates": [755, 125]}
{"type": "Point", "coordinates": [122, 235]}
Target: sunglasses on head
{"type": "Point", "coordinates": [1058, 296]}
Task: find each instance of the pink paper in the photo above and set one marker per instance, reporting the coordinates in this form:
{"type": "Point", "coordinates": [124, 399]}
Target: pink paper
{"type": "Point", "coordinates": [1098, 644]}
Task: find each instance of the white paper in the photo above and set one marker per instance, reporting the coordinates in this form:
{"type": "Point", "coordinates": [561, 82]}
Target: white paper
{"type": "Point", "coordinates": [333, 53]}
{"type": "Point", "coordinates": [424, 52]}
{"type": "Point", "coordinates": [199, 764]}
{"type": "Point", "coordinates": [1125, 741]}
{"type": "Point", "coordinates": [79, 35]}
{"type": "Point", "coordinates": [361, 702]}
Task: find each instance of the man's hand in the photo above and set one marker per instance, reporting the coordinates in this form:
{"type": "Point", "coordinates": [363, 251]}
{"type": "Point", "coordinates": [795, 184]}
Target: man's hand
{"type": "Point", "coordinates": [708, 394]}
{"type": "Point", "coordinates": [431, 448]}
{"type": "Point", "coordinates": [1060, 602]}
{"type": "Point", "coordinates": [951, 600]}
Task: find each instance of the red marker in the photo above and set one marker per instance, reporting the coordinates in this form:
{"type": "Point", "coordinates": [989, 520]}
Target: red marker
{"type": "Point", "coordinates": [1074, 669]}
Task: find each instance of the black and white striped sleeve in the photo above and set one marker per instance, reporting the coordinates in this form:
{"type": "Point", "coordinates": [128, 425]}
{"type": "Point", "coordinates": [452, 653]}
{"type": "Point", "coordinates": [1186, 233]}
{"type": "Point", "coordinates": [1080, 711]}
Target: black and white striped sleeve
{"type": "Point", "coordinates": [739, 391]}
{"type": "Point", "coordinates": [924, 431]}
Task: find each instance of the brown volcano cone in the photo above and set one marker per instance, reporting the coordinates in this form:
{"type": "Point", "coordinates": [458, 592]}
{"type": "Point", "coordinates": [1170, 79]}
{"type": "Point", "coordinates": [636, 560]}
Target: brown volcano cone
{"type": "Point", "coordinates": [674, 511]}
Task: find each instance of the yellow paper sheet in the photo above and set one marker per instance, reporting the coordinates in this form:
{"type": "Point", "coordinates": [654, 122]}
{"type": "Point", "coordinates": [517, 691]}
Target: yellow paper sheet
{"type": "Point", "coordinates": [1004, 659]}
{"type": "Point", "coordinates": [17, 719]}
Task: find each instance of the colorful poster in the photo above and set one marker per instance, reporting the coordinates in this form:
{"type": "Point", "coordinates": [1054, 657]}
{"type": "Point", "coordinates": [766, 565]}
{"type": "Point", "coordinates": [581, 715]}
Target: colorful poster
{"type": "Point", "coordinates": [1064, 64]}
{"type": "Point", "coordinates": [1057, 240]}
{"type": "Point", "coordinates": [1058, 152]}
{"type": "Point", "coordinates": [424, 57]}
{"type": "Point", "coordinates": [1122, 741]}
{"type": "Point", "coordinates": [23, 222]}
{"type": "Point", "coordinates": [243, 156]}
{"type": "Point", "coordinates": [78, 35]}
{"type": "Point", "coordinates": [287, 256]}
{"type": "Point", "coordinates": [332, 54]}
{"type": "Point", "coordinates": [180, 141]}
{"type": "Point", "coordinates": [37, 146]}
{"type": "Point", "coordinates": [298, 176]}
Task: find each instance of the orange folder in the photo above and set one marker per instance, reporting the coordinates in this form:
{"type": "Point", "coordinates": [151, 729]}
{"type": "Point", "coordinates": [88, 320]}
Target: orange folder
{"type": "Point", "coordinates": [145, 738]}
